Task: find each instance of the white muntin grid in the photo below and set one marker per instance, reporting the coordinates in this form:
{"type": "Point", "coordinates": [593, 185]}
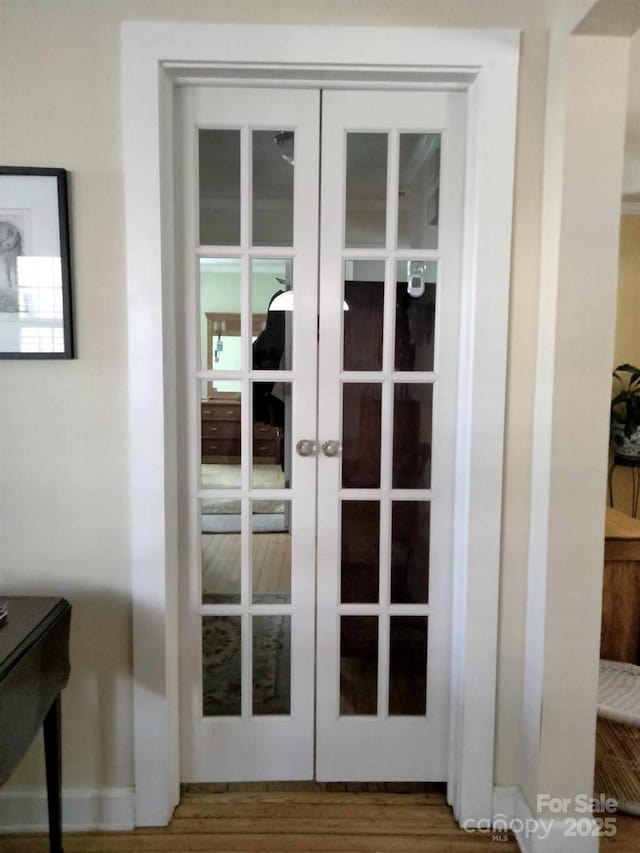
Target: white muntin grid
{"type": "Point", "coordinates": [388, 378]}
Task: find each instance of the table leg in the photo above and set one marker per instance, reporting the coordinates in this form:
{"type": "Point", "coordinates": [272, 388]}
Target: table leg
{"type": "Point", "coordinates": [53, 755]}
{"type": "Point", "coordinates": [610, 483]}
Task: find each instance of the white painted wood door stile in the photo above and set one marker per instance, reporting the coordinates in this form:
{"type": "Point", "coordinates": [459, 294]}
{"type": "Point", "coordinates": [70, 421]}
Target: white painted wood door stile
{"type": "Point", "coordinates": [370, 365]}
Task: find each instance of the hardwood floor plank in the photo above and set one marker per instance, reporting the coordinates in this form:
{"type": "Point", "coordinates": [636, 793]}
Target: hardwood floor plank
{"type": "Point", "coordinates": [438, 823]}
{"type": "Point", "coordinates": [146, 843]}
{"type": "Point", "coordinates": [321, 798]}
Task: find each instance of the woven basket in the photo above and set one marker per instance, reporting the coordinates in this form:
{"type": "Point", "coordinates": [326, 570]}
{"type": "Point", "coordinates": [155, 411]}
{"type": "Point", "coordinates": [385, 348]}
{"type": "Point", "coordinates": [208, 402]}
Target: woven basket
{"type": "Point", "coordinates": [618, 735]}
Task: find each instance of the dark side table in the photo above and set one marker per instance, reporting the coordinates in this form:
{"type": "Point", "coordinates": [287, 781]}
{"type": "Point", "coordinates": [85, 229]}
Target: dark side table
{"type": "Point", "coordinates": [632, 462]}
{"type": "Point", "coordinates": [34, 668]}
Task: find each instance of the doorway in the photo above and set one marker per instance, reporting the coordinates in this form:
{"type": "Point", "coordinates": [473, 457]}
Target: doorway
{"type": "Point", "coordinates": [158, 59]}
{"type": "Point", "coordinates": [316, 605]}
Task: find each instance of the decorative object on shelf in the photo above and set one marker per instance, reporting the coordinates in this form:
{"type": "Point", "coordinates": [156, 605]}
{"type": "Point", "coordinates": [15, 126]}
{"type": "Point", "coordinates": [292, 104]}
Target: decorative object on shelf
{"type": "Point", "coordinates": [35, 278]}
{"type": "Point", "coordinates": [625, 411]}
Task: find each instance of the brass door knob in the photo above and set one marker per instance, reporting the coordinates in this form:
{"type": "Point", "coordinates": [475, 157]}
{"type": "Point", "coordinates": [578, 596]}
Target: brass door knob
{"type": "Point", "coordinates": [330, 448]}
{"type": "Point", "coordinates": [306, 447]}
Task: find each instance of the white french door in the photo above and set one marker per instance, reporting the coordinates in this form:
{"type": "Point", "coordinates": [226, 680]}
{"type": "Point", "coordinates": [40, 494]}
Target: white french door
{"type": "Point", "coordinates": [318, 488]}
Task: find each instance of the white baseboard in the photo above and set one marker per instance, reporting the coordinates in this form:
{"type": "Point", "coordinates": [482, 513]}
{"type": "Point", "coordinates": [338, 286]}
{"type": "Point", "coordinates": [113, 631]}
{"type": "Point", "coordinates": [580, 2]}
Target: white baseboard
{"type": "Point", "coordinates": [82, 810]}
{"type": "Point", "coordinates": [551, 835]}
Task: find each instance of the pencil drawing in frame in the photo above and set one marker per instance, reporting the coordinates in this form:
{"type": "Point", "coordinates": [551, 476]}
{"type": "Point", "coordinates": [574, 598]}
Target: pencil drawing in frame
{"type": "Point", "coordinates": [35, 276]}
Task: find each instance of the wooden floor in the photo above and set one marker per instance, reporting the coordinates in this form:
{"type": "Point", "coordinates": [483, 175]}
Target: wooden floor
{"type": "Point", "coordinates": [271, 562]}
{"type": "Point", "coordinates": [315, 818]}
{"type": "Point", "coordinates": [278, 818]}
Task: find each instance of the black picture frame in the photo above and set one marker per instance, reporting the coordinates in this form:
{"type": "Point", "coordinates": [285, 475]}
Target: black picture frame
{"type": "Point", "coordinates": [36, 315]}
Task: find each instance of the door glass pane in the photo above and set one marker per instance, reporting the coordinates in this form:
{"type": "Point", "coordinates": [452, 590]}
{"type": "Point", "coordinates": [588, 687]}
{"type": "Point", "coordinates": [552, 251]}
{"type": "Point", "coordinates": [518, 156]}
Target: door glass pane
{"type": "Point", "coordinates": [220, 549]}
{"type": "Point", "coordinates": [272, 412]}
{"type": "Point", "coordinates": [415, 314]}
{"type": "Point", "coordinates": [419, 191]}
{"type": "Point", "coordinates": [220, 407]}
{"type": "Point", "coordinates": [408, 665]}
{"type": "Point", "coordinates": [220, 303]}
{"type": "Point", "coordinates": [221, 662]}
{"type": "Point", "coordinates": [272, 664]}
{"type": "Point", "coordinates": [410, 552]}
{"type": "Point", "coordinates": [271, 551]}
{"type": "Point", "coordinates": [358, 665]}
{"type": "Point", "coordinates": [272, 314]}
{"type": "Point", "coordinates": [359, 576]}
{"type": "Point", "coordinates": [412, 423]}
{"type": "Point", "coordinates": [219, 187]}
{"type": "Point", "coordinates": [363, 315]}
{"type": "Point", "coordinates": [361, 407]}
{"type": "Point", "coordinates": [366, 196]}
{"type": "Point", "coordinates": [273, 157]}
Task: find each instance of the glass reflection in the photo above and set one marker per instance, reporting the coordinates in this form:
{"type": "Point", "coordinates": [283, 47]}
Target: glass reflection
{"type": "Point", "coordinates": [412, 425]}
{"type": "Point", "coordinates": [221, 660]}
{"type": "Point", "coordinates": [271, 664]}
{"type": "Point", "coordinates": [366, 190]}
{"type": "Point", "coordinates": [219, 187]}
{"type": "Point", "coordinates": [408, 665]}
{"type": "Point", "coordinates": [363, 322]}
{"type": "Point", "coordinates": [273, 165]}
{"type": "Point", "coordinates": [272, 314]}
{"type": "Point", "coordinates": [272, 451]}
{"type": "Point", "coordinates": [409, 552]}
{"type": "Point", "coordinates": [415, 315]}
{"type": "Point", "coordinates": [220, 408]}
{"type": "Point", "coordinates": [220, 550]}
{"type": "Point", "coordinates": [220, 304]}
{"type": "Point", "coordinates": [361, 408]}
{"type": "Point", "coordinates": [271, 551]}
{"type": "Point", "coordinates": [359, 575]}
{"type": "Point", "coordinates": [358, 665]}
{"type": "Point", "coordinates": [419, 191]}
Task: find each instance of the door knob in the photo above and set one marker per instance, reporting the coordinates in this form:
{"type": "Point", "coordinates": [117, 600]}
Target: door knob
{"type": "Point", "coordinates": [306, 447]}
{"type": "Point", "coordinates": [330, 448]}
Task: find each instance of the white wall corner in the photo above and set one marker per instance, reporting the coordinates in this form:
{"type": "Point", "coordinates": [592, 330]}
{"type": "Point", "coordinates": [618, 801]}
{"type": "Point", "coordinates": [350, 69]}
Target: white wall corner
{"type": "Point", "coordinates": [83, 810]}
{"type": "Point", "coordinates": [545, 833]}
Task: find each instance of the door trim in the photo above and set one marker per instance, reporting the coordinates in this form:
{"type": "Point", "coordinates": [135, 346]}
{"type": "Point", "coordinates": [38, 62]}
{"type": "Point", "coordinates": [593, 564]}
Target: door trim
{"type": "Point", "coordinates": [156, 57]}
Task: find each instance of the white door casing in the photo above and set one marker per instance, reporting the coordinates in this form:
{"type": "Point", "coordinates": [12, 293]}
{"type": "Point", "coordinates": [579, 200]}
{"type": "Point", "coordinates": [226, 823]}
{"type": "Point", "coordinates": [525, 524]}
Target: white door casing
{"type": "Point", "coordinates": [484, 63]}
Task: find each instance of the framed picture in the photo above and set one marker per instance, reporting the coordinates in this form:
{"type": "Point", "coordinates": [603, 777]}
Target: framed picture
{"type": "Point", "coordinates": [35, 277]}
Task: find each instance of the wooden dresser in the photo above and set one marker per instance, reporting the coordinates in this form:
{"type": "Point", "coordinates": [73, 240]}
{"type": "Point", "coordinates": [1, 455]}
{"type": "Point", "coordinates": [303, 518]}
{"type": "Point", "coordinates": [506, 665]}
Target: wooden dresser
{"type": "Point", "coordinates": [220, 433]}
{"type": "Point", "coordinates": [620, 631]}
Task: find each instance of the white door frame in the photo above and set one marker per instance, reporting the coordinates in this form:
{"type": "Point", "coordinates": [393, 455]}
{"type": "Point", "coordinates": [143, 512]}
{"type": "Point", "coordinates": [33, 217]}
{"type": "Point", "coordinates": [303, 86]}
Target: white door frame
{"type": "Point", "coordinates": [155, 58]}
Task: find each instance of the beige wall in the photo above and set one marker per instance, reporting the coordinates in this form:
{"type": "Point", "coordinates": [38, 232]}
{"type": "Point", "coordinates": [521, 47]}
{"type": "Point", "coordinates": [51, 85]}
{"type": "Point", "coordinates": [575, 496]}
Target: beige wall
{"type": "Point", "coordinates": [579, 283]}
{"type": "Point", "coordinates": [63, 439]}
{"type": "Point", "coordinates": [627, 344]}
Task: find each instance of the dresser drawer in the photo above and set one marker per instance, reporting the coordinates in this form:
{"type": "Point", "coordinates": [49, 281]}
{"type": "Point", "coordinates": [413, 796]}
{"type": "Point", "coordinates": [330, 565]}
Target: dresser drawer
{"type": "Point", "coordinates": [221, 429]}
{"type": "Point", "coordinates": [264, 431]}
{"type": "Point", "coordinates": [220, 447]}
{"type": "Point", "coordinates": [220, 411]}
{"type": "Point", "coordinates": [264, 448]}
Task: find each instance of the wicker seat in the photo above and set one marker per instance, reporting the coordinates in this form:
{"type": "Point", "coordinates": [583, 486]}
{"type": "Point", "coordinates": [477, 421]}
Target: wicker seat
{"type": "Point", "coordinates": [618, 735]}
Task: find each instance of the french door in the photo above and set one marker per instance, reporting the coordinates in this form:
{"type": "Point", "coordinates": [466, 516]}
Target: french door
{"type": "Point", "coordinates": [321, 290]}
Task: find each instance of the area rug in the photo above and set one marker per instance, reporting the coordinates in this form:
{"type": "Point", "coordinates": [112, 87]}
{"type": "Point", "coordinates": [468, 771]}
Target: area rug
{"type": "Point", "coordinates": [221, 657]}
{"type": "Point", "coordinates": [228, 477]}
